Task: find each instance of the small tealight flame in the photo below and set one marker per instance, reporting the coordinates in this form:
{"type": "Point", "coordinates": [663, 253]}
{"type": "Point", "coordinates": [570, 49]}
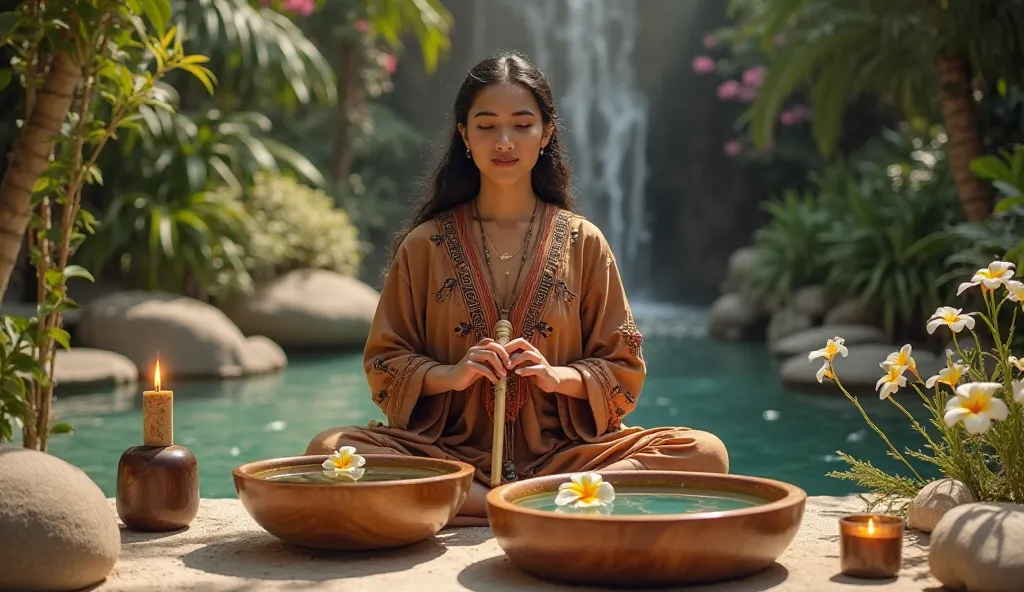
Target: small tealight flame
{"type": "Point", "coordinates": [871, 526]}
{"type": "Point", "coordinates": [156, 375]}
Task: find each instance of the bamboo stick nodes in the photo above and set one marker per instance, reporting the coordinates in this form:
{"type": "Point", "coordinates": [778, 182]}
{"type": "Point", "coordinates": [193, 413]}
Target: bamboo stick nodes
{"type": "Point", "coordinates": [502, 334]}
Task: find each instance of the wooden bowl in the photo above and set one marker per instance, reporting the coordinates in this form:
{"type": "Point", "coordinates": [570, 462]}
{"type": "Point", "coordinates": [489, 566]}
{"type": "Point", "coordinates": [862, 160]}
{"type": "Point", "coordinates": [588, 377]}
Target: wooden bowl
{"type": "Point", "coordinates": [653, 549]}
{"type": "Point", "coordinates": [354, 516]}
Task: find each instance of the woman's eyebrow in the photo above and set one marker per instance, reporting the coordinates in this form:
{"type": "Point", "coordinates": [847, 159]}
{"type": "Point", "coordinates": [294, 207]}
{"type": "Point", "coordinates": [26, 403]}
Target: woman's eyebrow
{"type": "Point", "coordinates": [492, 114]}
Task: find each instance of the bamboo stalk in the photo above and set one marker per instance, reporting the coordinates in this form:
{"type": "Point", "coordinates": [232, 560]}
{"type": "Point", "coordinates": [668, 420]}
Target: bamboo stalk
{"type": "Point", "coordinates": [502, 334]}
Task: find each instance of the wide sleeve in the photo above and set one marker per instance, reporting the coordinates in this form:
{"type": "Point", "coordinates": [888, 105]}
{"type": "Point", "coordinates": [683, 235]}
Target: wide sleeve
{"type": "Point", "coordinates": [394, 357]}
{"type": "Point", "coordinates": [612, 365]}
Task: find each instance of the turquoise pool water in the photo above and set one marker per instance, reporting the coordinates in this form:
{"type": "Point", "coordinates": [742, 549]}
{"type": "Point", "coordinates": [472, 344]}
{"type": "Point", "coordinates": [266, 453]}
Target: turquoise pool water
{"type": "Point", "coordinates": [730, 389]}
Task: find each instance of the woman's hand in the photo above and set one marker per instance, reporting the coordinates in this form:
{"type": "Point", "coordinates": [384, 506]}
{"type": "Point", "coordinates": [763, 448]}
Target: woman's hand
{"type": "Point", "coordinates": [528, 361]}
{"type": "Point", "coordinates": [486, 359]}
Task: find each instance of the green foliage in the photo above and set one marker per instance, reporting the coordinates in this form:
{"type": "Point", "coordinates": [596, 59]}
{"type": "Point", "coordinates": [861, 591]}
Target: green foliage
{"type": "Point", "coordinates": [121, 62]}
{"type": "Point", "coordinates": [288, 226]}
{"type": "Point", "coordinates": [790, 248]}
{"type": "Point", "coordinates": [258, 53]}
{"type": "Point", "coordinates": [842, 49]}
{"type": "Point", "coordinates": [1003, 232]}
{"type": "Point", "coordinates": [975, 408]}
{"type": "Point", "coordinates": [875, 228]}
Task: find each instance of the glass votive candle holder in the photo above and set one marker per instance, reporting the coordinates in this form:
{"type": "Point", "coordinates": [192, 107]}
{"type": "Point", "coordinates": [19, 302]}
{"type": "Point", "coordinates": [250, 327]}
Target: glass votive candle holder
{"type": "Point", "coordinates": [870, 545]}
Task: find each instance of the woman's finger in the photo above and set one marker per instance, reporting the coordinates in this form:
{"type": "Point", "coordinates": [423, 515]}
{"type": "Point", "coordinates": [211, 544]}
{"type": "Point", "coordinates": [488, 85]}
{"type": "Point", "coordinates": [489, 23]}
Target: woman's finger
{"type": "Point", "coordinates": [499, 351]}
{"type": "Point", "coordinates": [489, 357]}
{"type": "Point", "coordinates": [531, 370]}
{"type": "Point", "coordinates": [527, 356]}
{"type": "Point", "coordinates": [482, 370]}
{"type": "Point", "coordinates": [519, 344]}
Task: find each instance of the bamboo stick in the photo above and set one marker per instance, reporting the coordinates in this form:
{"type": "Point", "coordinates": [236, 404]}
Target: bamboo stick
{"type": "Point", "coordinates": [502, 334]}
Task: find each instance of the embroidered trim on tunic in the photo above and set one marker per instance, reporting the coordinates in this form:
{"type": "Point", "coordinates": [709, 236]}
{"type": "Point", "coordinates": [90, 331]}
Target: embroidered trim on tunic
{"type": "Point", "coordinates": [551, 268]}
{"type": "Point", "coordinates": [463, 329]}
{"type": "Point", "coordinates": [562, 288]}
{"type": "Point", "coordinates": [632, 335]}
{"type": "Point", "coordinates": [460, 263]}
{"type": "Point", "coordinates": [400, 382]}
{"type": "Point", "coordinates": [437, 239]}
{"type": "Point", "coordinates": [611, 391]}
{"type": "Point", "coordinates": [544, 329]}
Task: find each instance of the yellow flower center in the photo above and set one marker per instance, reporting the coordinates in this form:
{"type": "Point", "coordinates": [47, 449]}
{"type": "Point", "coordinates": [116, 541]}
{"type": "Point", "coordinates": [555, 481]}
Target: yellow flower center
{"type": "Point", "coordinates": [344, 461]}
{"type": "Point", "coordinates": [950, 316]}
{"type": "Point", "coordinates": [977, 404]}
{"type": "Point", "coordinates": [587, 491]}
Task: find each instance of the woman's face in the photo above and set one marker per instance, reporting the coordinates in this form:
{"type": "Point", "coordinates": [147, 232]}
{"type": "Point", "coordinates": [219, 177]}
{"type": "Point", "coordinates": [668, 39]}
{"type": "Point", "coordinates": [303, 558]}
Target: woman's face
{"type": "Point", "coordinates": [505, 132]}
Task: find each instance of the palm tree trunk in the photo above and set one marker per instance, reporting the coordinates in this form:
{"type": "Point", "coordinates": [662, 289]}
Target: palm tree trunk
{"type": "Point", "coordinates": [961, 121]}
{"type": "Point", "coordinates": [30, 158]}
{"type": "Point", "coordinates": [351, 99]}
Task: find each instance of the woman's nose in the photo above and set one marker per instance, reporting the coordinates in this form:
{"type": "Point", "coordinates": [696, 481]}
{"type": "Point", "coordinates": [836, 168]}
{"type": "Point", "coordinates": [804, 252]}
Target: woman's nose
{"type": "Point", "coordinates": [504, 142]}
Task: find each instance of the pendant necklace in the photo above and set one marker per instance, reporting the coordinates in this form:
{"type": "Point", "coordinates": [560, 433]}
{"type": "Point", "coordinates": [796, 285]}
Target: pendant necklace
{"type": "Point", "coordinates": [508, 467]}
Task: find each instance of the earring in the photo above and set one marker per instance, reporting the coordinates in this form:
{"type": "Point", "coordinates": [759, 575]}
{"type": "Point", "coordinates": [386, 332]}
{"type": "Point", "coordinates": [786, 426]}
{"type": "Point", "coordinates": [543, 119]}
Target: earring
{"type": "Point", "coordinates": [542, 152]}
{"type": "Point", "coordinates": [468, 153]}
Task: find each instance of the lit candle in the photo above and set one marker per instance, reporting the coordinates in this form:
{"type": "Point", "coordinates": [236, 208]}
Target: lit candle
{"type": "Point", "coordinates": [157, 414]}
{"type": "Point", "coordinates": [870, 545]}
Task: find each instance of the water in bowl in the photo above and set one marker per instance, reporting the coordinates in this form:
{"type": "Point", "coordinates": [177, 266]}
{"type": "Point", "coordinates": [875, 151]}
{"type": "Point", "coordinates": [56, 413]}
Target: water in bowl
{"type": "Point", "coordinates": [636, 501]}
{"type": "Point", "coordinates": [315, 475]}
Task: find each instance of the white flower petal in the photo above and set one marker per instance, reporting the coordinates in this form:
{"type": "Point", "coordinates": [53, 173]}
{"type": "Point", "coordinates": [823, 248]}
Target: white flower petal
{"type": "Point", "coordinates": [933, 325]}
{"type": "Point", "coordinates": [356, 473]}
{"type": "Point", "coordinates": [954, 413]}
{"type": "Point", "coordinates": [998, 410]}
{"type": "Point", "coordinates": [566, 496]}
{"type": "Point", "coordinates": [818, 353]}
{"type": "Point", "coordinates": [977, 423]}
{"type": "Point", "coordinates": [327, 464]}
{"type": "Point", "coordinates": [965, 286]}
{"type": "Point", "coordinates": [931, 382]}
{"type": "Point", "coordinates": [358, 460]}
{"type": "Point", "coordinates": [820, 374]}
{"type": "Point", "coordinates": [605, 493]}
{"type": "Point", "coordinates": [843, 351]}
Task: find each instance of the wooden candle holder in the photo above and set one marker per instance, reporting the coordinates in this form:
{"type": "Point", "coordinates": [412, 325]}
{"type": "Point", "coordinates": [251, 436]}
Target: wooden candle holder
{"type": "Point", "coordinates": [157, 487]}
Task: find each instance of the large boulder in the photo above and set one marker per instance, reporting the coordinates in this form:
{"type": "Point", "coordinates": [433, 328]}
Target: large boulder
{"type": "Point", "coordinates": [86, 367]}
{"type": "Point", "coordinates": [57, 530]}
{"type": "Point", "coordinates": [192, 338]}
{"type": "Point", "coordinates": [811, 301]}
{"type": "Point", "coordinates": [785, 322]}
{"type": "Point", "coordinates": [858, 372]}
{"type": "Point", "coordinates": [741, 262]}
{"type": "Point", "coordinates": [806, 341]}
{"type": "Point", "coordinates": [852, 311]}
{"type": "Point", "coordinates": [309, 308]}
{"type": "Point", "coordinates": [979, 546]}
{"type": "Point", "coordinates": [733, 318]}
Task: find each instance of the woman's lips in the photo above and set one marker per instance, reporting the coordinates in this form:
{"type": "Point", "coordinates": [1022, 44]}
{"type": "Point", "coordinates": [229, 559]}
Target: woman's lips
{"type": "Point", "coordinates": [506, 161]}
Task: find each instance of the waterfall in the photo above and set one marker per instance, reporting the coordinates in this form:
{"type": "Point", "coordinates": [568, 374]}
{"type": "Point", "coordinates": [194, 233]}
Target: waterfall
{"type": "Point", "coordinates": [587, 47]}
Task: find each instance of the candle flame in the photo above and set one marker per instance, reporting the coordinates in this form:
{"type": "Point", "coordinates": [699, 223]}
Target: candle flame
{"type": "Point", "coordinates": [156, 375]}
{"type": "Point", "coordinates": [871, 526]}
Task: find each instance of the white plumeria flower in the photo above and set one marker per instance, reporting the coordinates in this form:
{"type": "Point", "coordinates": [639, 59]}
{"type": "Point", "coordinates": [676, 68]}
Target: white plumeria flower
{"type": "Point", "coordinates": [345, 463]}
{"type": "Point", "coordinates": [892, 381]}
{"type": "Point", "coordinates": [975, 405]}
{"type": "Point", "coordinates": [951, 317]}
{"type": "Point", "coordinates": [833, 347]}
{"type": "Point", "coordinates": [1016, 290]}
{"type": "Point", "coordinates": [824, 372]}
{"type": "Point", "coordinates": [996, 274]}
{"type": "Point", "coordinates": [901, 359]}
{"type": "Point", "coordinates": [1015, 362]}
{"type": "Point", "coordinates": [585, 490]}
{"type": "Point", "coordinates": [949, 375]}
{"type": "Point", "coordinates": [1018, 391]}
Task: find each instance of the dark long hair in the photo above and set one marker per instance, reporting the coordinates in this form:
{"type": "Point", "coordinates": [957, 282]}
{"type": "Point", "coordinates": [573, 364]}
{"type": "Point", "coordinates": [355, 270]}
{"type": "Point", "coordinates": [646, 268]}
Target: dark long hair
{"type": "Point", "coordinates": [456, 179]}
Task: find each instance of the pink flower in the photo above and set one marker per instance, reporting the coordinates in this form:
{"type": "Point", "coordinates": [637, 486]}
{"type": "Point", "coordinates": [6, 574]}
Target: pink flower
{"type": "Point", "coordinates": [302, 7]}
{"type": "Point", "coordinates": [747, 94]}
{"type": "Point", "coordinates": [728, 90]}
{"type": "Point", "coordinates": [710, 41]}
{"type": "Point", "coordinates": [362, 25]}
{"type": "Point", "coordinates": [733, 148]}
{"type": "Point", "coordinates": [754, 76]}
{"type": "Point", "coordinates": [703, 65]}
{"type": "Point", "coordinates": [788, 118]}
{"type": "Point", "coordinates": [390, 63]}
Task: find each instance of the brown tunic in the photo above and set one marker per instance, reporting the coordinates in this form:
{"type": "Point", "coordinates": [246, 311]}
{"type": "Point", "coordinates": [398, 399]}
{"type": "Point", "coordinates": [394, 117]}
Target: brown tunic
{"type": "Point", "coordinates": [437, 302]}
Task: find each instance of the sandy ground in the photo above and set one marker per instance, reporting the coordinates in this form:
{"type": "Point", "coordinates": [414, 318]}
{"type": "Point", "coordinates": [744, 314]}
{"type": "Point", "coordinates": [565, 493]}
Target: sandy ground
{"type": "Point", "coordinates": [225, 550]}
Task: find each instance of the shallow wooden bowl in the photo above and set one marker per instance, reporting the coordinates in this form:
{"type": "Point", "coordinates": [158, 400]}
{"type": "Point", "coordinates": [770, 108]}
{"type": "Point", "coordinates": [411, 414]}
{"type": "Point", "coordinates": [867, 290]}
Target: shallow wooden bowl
{"type": "Point", "coordinates": [648, 550]}
{"type": "Point", "coordinates": [354, 516]}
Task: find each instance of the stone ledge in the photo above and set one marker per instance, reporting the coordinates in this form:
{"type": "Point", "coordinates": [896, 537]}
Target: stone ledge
{"type": "Point", "coordinates": [224, 549]}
